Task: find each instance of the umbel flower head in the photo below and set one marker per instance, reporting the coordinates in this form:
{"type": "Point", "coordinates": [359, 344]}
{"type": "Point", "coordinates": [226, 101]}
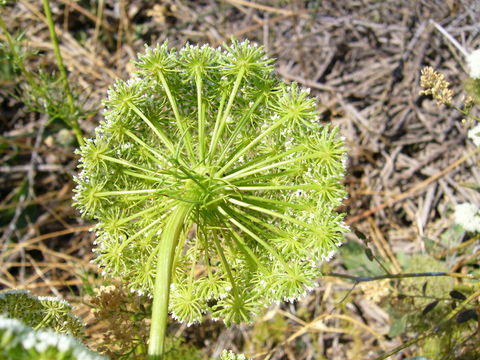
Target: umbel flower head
{"type": "Point", "coordinates": [19, 341]}
{"type": "Point", "coordinates": [208, 145]}
{"type": "Point", "coordinates": [40, 311]}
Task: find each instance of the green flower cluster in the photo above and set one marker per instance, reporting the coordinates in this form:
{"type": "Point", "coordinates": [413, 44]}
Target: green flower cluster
{"type": "Point", "coordinates": [209, 146]}
{"type": "Point", "coordinates": [20, 342]}
{"type": "Point", "coordinates": [40, 311]}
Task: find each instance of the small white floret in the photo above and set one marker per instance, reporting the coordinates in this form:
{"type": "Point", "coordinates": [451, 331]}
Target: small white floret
{"type": "Point", "coordinates": [29, 340]}
{"type": "Point", "coordinates": [474, 134]}
{"type": "Point", "coordinates": [473, 63]}
{"type": "Point", "coordinates": [467, 215]}
{"type": "Point", "coordinates": [329, 255]}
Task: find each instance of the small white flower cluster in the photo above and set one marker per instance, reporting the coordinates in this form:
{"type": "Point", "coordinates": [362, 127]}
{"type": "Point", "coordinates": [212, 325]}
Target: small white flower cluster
{"type": "Point", "coordinates": [5, 294]}
{"type": "Point", "coordinates": [53, 299]}
{"type": "Point", "coordinates": [474, 134]}
{"type": "Point", "coordinates": [468, 216]}
{"type": "Point", "coordinates": [473, 63]}
{"type": "Point", "coordinates": [230, 355]}
{"type": "Point", "coordinates": [20, 341]}
{"type": "Point", "coordinates": [39, 311]}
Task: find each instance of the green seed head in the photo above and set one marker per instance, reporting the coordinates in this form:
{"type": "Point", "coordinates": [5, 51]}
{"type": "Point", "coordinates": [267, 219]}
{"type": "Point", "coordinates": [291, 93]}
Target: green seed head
{"type": "Point", "coordinates": [215, 131]}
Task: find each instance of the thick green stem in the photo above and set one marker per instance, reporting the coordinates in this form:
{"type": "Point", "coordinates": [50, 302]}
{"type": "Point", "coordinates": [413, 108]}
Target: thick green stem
{"type": "Point", "coordinates": [174, 226]}
{"type": "Point", "coordinates": [72, 121]}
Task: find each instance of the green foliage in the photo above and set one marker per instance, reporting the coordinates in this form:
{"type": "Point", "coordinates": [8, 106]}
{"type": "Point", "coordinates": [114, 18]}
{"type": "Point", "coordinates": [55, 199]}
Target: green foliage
{"type": "Point", "coordinates": [420, 306]}
{"type": "Point", "coordinates": [20, 342]}
{"type": "Point", "coordinates": [212, 139]}
{"type": "Point", "coordinates": [177, 349]}
{"type": "Point", "coordinates": [267, 333]}
{"type": "Point", "coordinates": [431, 288]}
{"type": "Point", "coordinates": [473, 88]}
{"type": "Point", "coordinates": [353, 257]}
{"type": "Point", "coordinates": [8, 68]}
{"type": "Point", "coordinates": [45, 94]}
{"type": "Point", "coordinates": [40, 91]}
{"type": "Point", "coordinates": [40, 312]}
{"type": "Point", "coordinates": [452, 236]}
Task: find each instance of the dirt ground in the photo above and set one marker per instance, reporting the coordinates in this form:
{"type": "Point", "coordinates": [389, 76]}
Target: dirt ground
{"type": "Point", "coordinates": [408, 157]}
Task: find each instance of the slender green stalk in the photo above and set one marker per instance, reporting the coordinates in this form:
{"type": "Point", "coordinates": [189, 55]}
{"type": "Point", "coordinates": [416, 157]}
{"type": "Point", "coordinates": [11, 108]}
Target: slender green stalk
{"type": "Point", "coordinates": [226, 267]}
{"type": "Point", "coordinates": [162, 136]}
{"type": "Point", "coordinates": [72, 121]}
{"type": "Point", "coordinates": [268, 187]}
{"type": "Point", "coordinates": [137, 215]}
{"type": "Point", "coordinates": [44, 321]}
{"type": "Point", "coordinates": [125, 163]}
{"type": "Point", "coordinates": [272, 213]}
{"type": "Point", "coordinates": [139, 233]}
{"type": "Point", "coordinates": [266, 177]}
{"type": "Point", "coordinates": [253, 260]}
{"type": "Point", "coordinates": [181, 126]}
{"type": "Point", "coordinates": [161, 292]}
{"type": "Point", "coordinates": [144, 145]}
{"type": "Point", "coordinates": [142, 176]}
{"type": "Point", "coordinates": [246, 148]}
{"type": "Point", "coordinates": [98, 23]}
{"type": "Point", "coordinates": [201, 117]}
{"type": "Point", "coordinates": [239, 128]}
{"type": "Point", "coordinates": [252, 235]}
{"type": "Point", "coordinates": [257, 224]}
{"type": "Point", "coordinates": [256, 167]}
{"type": "Point", "coordinates": [223, 120]}
{"type": "Point", "coordinates": [128, 192]}
{"type": "Point", "coordinates": [275, 203]}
